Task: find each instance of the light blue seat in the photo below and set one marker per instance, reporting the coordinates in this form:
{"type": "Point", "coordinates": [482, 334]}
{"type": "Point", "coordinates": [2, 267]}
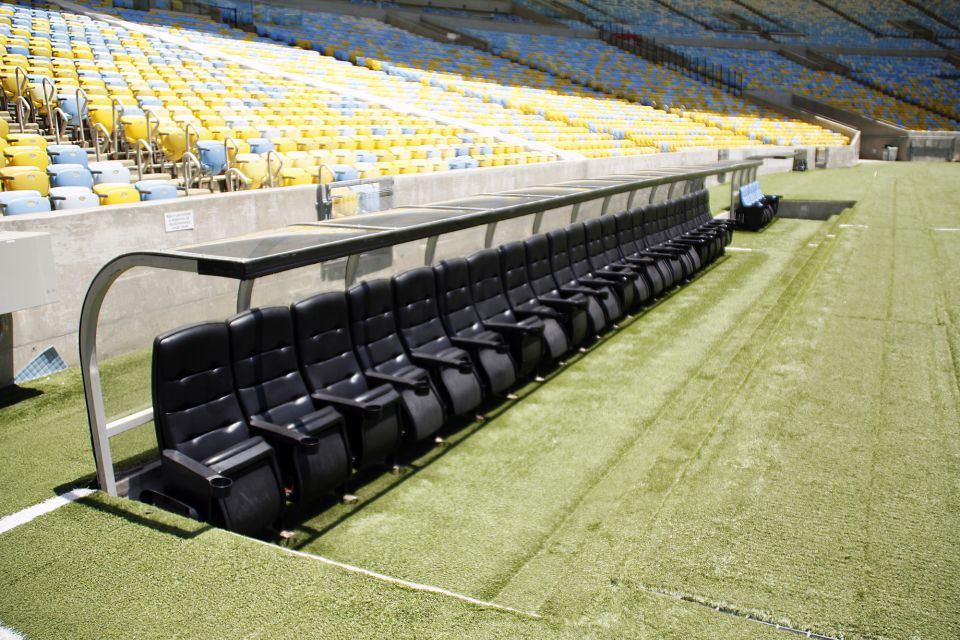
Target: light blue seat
{"type": "Point", "coordinates": [73, 198]}
{"type": "Point", "coordinates": [109, 172]}
{"type": "Point", "coordinates": [69, 175]}
{"type": "Point", "coordinates": [67, 154]}
{"type": "Point", "coordinates": [213, 156]}
{"type": "Point", "coordinates": [75, 109]}
{"type": "Point", "coordinates": [344, 172]}
{"type": "Point", "coordinates": [7, 197]}
{"type": "Point", "coordinates": [155, 190]}
{"type": "Point", "coordinates": [260, 145]}
{"type": "Point", "coordinates": [29, 204]}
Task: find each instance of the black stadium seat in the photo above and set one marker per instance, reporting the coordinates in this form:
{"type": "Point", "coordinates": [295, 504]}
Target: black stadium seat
{"type": "Point", "coordinates": [334, 377]}
{"type": "Point", "coordinates": [523, 300]}
{"type": "Point", "coordinates": [620, 296]}
{"type": "Point", "coordinates": [574, 306]}
{"type": "Point", "coordinates": [615, 271]}
{"type": "Point", "coordinates": [209, 457]}
{"type": "Point", "coordinates": [383, 358]}
{"type": "Point", "coordinates": [489, 351]}
{"type": "Point", "coordinates": [567, 283]}
{"type": "Point", "coordinates": [278, 405]}
{"type": "Point", "coordinates": [486, 287]}
{"type": "Point", "coordinates": [427, 343]}
{"type": "Point", "coordinates": [646, 230]}
{"type": "Point", "coordinates": [647, 267]}
{"type": "Point", "coordinates": [633, 252]}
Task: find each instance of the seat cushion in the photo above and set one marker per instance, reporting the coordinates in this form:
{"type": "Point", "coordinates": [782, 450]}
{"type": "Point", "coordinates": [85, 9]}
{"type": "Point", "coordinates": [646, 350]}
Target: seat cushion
{"type": "Point", "coordinates": [240, 456]}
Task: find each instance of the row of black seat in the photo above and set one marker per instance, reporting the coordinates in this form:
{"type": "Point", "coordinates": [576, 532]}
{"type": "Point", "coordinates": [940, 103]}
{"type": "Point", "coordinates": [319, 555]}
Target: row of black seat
{"type": "Point", "coordinates": [285, 403]}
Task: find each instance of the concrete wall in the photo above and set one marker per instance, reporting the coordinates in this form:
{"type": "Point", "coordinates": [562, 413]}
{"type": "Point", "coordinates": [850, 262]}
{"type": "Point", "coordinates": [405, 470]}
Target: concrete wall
{"type": "Point", "coordinates": [144, 303]}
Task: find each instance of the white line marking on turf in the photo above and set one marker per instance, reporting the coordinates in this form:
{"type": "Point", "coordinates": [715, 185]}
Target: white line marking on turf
{"type": "Point", "coordinates": [10, 634]}
{"type": "Point", "coordinates": [416, 586]}
{"type": "Point", "coordinates": [853, 226]}
{"type": "Point", "coordinates": [14, 520]}
{"type": "Point", "coordinates": [743, 249]}
{"type": "Point", "coordinates": [946, 229]}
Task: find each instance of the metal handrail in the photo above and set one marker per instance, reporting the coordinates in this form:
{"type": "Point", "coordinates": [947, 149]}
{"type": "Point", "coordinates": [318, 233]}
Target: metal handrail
{"type": "Point", "coordinates": [80, 108]}
{"type": "Point", "coordinates": [186, 133]}
{"type": "Point", "coordinates": [23, 84]}
{"type": "Point", "coordinates": [21, 101]}
{"type": "Point", "coordinates": [63, 120]}
{"type": "Point", "coordinates": [54, 124]}
{"type": "Point", "coordinates": [271, 176]}
{"type": "Point", "coordinates": [116, 107]}
{"type": "Point", "coordinates": [189, 161]}
{"type": "Point", "coordinates": [143, 145]}
{"type": "Point", "coordinates": [227, 142]}
{"type": "Point", "coordinates": [96, 129]}
{"type": "Point", "coordinates": [234, 172]}
{"type": "Point", "coordinates": [246, 271]}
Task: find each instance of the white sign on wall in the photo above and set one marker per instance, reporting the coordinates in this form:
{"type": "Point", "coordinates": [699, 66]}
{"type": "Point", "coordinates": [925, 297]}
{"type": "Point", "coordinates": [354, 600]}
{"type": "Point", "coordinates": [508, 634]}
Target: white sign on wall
{"type": "Point", "coordinates": [178, 221]}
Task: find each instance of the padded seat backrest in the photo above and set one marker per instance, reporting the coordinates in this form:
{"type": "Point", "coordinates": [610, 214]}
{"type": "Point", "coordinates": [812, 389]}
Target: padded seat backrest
{"type": "Point", "coordinates": [324, 344]}
{"type": "Point", "coordinates": [593, 232]}
{"type": "Point", "coordinates": [539, 271]}
{"type": "Point", "coordinates": [265, 366]}
{"type": "Point", "coordinates": [625, 238]}
{"type": "Point", "coordinates": [373, 326]}
{"type": "Point", "coordinates": [455, 300]}
{"type": "Point", "coordinates": [196, 410]}
{"type": "Point", "coordinates": [513, 269]}
{"type": "Point", "coordinates": [610, 239]}
{"type": "Point", "coordinates": [560, 257]}
{"type": "Point", "coordinates": [577, 246]}
{"type": "Point", "coordinates": [418, 316]}
{"type": "Point", "coordinates": [486, 286]}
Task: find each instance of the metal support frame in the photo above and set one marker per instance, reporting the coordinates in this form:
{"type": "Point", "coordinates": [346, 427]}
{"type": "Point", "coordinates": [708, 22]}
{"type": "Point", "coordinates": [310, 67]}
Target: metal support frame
{"type": "Point", "coordinates": [246, 273]}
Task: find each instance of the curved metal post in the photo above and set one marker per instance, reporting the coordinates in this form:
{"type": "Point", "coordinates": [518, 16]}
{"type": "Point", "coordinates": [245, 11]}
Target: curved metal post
{"type": "Point", "coordinates": [81, 107]}
{"type": "Point", "coordinates": [89, 366]}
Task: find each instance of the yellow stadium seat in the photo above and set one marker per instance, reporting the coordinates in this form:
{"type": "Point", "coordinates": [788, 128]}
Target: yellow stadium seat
{"type": "Point", "coordinates": [293, 176]}
{"type": "Point", "coordinates": [27, 139]}
{"type": "Point", "coordinates": [116, 193]}
{"type": "Point", "coordinates": [26, 156]}
{"type": "Point", "coordinates": [254, 167]}
{"type": "Point", "coordinates": [25, 178]}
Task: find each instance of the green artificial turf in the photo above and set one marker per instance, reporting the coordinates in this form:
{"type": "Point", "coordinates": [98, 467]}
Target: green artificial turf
{"type": "Point", "coordinates": [777, 439]}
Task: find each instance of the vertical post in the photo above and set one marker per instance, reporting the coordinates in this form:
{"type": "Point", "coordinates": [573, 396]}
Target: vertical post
{"type": "Point", "coordinates": [6, 349]}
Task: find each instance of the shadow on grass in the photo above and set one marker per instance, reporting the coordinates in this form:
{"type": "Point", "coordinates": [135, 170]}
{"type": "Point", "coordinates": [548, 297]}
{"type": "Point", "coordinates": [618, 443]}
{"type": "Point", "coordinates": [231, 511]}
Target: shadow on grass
{"type": "Point", "coordinates": [187, 530]}
{"type": "Point", "coordinates": [15, 394]}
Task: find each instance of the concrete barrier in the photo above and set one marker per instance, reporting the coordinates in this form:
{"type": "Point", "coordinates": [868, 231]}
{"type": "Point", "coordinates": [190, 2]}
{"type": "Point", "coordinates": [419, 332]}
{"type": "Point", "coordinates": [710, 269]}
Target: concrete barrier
{"type": "Point", "coordinates": [144, 303]}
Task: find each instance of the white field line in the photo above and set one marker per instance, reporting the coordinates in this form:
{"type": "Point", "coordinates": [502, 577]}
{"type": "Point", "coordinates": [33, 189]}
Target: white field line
{"type": "Point", "coordinates": [946, 229]}
{"type": "Point", "coordinates": [416, 586]}
{"type": "Point", "coordinates": [740, 249]}
{"type": "Point", "coordinates": [14, 520]}
{"type": "Point", "coordinates": [10, 634]}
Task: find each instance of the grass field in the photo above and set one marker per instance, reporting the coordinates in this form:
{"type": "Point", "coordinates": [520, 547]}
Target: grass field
{"type": "Point", "coordinates": [779, 440]}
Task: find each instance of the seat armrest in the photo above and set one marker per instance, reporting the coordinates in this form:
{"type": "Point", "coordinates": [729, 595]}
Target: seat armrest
{"type": "Point", "coordinates": [563, 303]}
{"type": "Point", "coordinates": [635, 260]}
{"type": "Point", "coordinates": [430, 360]}
{"type": "Point", "coordinates": [192, 476]}
{"type": "Point", "coordinates": [348, 404]}
{"type": "Point", "coordinates": [602, 294]}
{"type": "Point", "coordinates": [594, 282]}
{"type": "Point", "coordinates": [474, 343]}
{"type": "Point", "coordinates": [509, 327]}
{"type": "Point", "coordinates": [537, 313]}
{"type": "Point", "coordinates": [420, 386]}
{"type": "Point", "coordinates": [275, 434]}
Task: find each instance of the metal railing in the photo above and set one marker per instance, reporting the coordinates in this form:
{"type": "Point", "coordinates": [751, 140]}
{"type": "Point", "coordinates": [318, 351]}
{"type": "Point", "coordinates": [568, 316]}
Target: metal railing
{"type": "Point", "coordinates": [697, 68]}
{"type": "Point", "coordinates": [621, 189]}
